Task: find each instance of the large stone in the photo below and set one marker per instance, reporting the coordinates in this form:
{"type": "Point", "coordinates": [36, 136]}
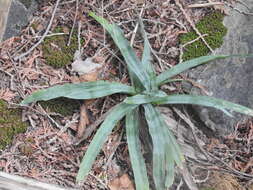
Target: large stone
{"type": "Point", "coordinates": [229, 79]}
{"type": "Point", "coordinates": [14, 15]}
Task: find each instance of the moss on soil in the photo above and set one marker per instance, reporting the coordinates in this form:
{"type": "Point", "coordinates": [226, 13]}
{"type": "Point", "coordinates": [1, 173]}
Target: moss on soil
{"type": "Point", "coordinates": [10, 124]}
{"type": "Point", "coordinates": [55, 50]}
{"type": "Point", "coordinates": [63, 106]}
{"type": "Point", "coordinates": [212, 26]}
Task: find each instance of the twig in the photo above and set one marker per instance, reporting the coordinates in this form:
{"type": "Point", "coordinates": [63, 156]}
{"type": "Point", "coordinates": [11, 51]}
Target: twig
{"type": "Point", "coordinates": [186, 44]}
{"type": "Point", "coordinates": [114, 149]}
{"type": "Point", "coordinates": [50, 35]}
{"type": "Point", "coordinates": [136, 27]}
{"type": "Point", "coordinates": [78, 36]}
{"type": "Point", "coordinates": [49, 117]}
{"type": "Point", "coordinates": [192, 127]}
{"type": "Point", "coordinates": [12, 78]}
{"type": "Point", "coordinates": [188, 177]}
{"type": "Point", "coordinates": [74, 23]}
{"type": "Point", "coordinates": [200, 5]}
{"type": "Point", "coordinates": [180, 184]}
{"type": "Point", "coordinates": [193, 25]}
{"type": "Point", "coordinates": [99, 180]}
{"type": "Point", "coordinates": [43, 36]}
{"type": "Point", "coordinates": [21, 92]}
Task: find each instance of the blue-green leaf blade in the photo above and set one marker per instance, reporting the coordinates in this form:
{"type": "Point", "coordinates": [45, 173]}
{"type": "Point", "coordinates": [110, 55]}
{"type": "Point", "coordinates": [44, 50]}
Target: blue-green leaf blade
{"type": "Point", "coordinates": [147, 58]}
{"type": "Point", "coordinates": [134, 147]}
{"type": "Point", "coordinates": [173, 152]}
{"type": "Point", "coordinates": [134, 64]}
{"type": "Point", "coordinates": [86, 90]}
{"type": "Point", "coordinates": [170, 171]}
{"type": "Point", "coordinates": [99, 139]}
{"type": "Point", "coordinates": [159, 143]}
{"type": "Point", "coordinates": [179, 68]}
{"type": "Point", "coordinates": [190, 99]}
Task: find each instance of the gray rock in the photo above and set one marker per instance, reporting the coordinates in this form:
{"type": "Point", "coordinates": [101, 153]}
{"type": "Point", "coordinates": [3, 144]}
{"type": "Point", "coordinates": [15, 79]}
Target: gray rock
{"type": "Point", "coordinates": [229, 79]}
{"type": "Point", "coordinates": [16, 16]}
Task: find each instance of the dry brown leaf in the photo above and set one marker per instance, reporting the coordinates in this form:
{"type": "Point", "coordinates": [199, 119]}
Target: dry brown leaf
{"type": "Point", "coordinates": [93, 76]}
{"type": "Point", "coordinates": [84, 121]}
{"type": "Point", "coordinates": [121, 183]}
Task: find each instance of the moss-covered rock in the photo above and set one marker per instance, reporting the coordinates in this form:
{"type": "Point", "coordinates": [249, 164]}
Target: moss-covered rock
{"type": "Point", "coordinates": [55, 50]}
{"type": "Point", "coordinates": [63, 106]}
{"type": "Point", "coordinates": [10, 124]}
{"type": "Point", "coordinates": [212, 26]}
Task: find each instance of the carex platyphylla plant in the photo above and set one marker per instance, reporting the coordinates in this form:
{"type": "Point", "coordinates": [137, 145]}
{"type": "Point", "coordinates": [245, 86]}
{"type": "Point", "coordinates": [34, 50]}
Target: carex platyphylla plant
{"type": "Point", "coordinates": [144, 93]}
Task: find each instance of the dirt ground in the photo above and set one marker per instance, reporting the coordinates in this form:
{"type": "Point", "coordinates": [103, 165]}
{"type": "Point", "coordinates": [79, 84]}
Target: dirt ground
{"type": "Point", "coordinates": [57, 137]}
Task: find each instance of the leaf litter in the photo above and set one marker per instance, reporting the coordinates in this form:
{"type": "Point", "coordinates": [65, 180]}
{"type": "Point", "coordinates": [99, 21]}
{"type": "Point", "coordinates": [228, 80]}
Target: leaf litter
{"type": "Point", "coordinates": [47, 151]}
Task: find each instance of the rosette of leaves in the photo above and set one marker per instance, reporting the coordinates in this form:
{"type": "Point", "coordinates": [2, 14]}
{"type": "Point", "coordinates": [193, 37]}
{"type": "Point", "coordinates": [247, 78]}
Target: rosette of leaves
{"type": "Point", "coordinates": [144, 93]}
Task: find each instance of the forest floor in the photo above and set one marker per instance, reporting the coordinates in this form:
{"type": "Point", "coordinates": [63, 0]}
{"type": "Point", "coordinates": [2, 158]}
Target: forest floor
{"type": "Point", "coordinates": [60, 131]}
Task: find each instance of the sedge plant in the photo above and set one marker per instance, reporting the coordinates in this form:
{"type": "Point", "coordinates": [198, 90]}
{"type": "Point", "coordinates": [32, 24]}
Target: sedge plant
{"type": "Point", "coordinates": [144, 93]}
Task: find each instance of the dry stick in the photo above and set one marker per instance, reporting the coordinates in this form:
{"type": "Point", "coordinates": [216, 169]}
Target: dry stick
{"type": "Point", "coordinates": [136, 27]}
{"type": "Point", "coordinates": [50, 35]}
{"type": "Point", "coordinates": [193, 25]}
{"type": "Point", "coordinates": [185, 172]}
{"type": "Point", "coordinates": [12, 78]}
{"type": "Point", "coordinates": [208, 154]}
{"type": "Point", "coordinates": [43, 36]}
{"type": "Point", "coordinates": [21, 92]}
{"type": "Point", "coordinates": [78, 36]}
{"type": "Point", "coordinates": [199, 5]}
{"type": "Point", "coordinates": [186, 44]}
{"type": "Point", "coordinates": [191, 125]}
{"type": "Point", "coordinates": [74, 23]}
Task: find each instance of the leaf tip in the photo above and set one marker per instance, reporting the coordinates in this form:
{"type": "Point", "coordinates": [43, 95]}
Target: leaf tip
{"type": "Point", "coordinates": [92, 14]}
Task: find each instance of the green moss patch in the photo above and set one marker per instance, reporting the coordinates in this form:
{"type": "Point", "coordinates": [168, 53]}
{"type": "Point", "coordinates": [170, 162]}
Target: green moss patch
{"type": "Point", "coordinates": [63, 106]}
{"type": "Point", "coordinates": [10, 124]}
{"type": "Point", "coordinates": [212, 26]}
{"type": "Point", "coordinates": [55, 50]}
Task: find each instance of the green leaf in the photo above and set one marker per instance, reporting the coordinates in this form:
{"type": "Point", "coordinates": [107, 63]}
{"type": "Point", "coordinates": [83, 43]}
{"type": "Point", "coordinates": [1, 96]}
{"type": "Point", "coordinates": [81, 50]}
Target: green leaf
{"type": "Point", "coordinates": [190, 99]}
{"type": "Point", "coordinates": [146, 57]}
{"type": "Point", "coordinates": [86, 90]}
{"type": "Point", "coordinates": [99, 139]}
{"type": "Point", "coordinates": [170, 171]}
{"type": "Point", "coordinates": [134, 64]}
{"type": "Point", "coordinates": [159, 142]}
{"type": "Point", "coordinates": [134, 147]}
{"type": "Point", "coordinates": [172, 150]}
{"type": "Point", "coordinates": [179, 68]}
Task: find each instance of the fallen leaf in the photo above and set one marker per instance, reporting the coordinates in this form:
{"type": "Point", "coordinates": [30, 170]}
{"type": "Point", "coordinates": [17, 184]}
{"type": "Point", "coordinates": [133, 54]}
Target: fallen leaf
{"type": "Point", "coordinates": [121, 183]}
{"type": "Point", "coordinates": [85, 67]}
{"type": "Point", "coordinates": [93, 76]}
{"type": "Point", "coordinates": [84, 121]}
